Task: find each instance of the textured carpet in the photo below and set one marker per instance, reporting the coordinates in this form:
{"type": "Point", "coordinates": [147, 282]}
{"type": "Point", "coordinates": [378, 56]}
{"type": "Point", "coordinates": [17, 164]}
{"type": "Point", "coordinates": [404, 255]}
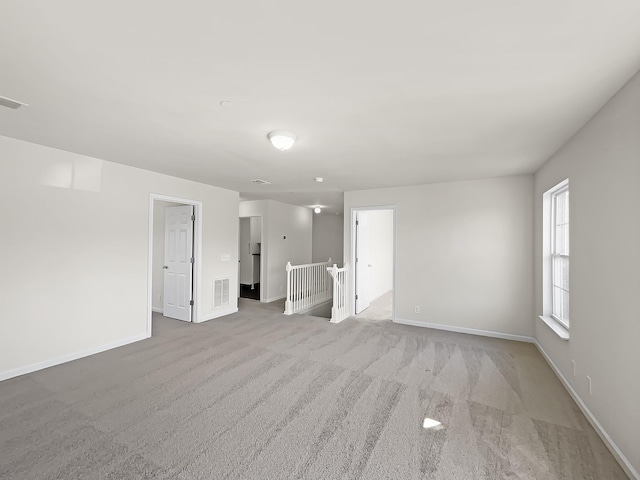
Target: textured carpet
{"type": "Point", "coordinates": [258, 395]}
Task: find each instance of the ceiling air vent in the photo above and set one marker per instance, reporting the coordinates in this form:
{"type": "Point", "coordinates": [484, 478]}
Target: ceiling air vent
{"type": "Point", "coordinates": [260, 182]}
{"type": "Point", "coordinates": [15, 104]}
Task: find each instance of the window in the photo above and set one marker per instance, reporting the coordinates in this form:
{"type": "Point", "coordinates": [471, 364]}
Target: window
{"type": "Point", "coordinates": [555, 268]}
{"type": "Point", "coordinates": [560, 255]}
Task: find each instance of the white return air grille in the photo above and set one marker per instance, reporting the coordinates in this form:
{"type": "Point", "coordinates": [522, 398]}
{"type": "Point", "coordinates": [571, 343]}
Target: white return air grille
{"type": "Point", "coordinates": [220, 292]}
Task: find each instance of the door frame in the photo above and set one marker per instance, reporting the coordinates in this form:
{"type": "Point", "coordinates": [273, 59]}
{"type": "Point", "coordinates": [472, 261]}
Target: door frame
{"type": "Point", "coordinates": [352, 269]}
{"type": "Point", "coordinates": [262, 255]}
{"type": "Point", "coordinates": [197, 252]}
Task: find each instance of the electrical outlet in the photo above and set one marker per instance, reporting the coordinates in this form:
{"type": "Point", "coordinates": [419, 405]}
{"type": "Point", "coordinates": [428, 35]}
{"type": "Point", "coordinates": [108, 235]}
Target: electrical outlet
{"type": "Point", "coordinates": [416, 309]}
{"type": "Point", "coordinates": [589, 380]}
{"type": "Point", "coordinates": [573, 362]}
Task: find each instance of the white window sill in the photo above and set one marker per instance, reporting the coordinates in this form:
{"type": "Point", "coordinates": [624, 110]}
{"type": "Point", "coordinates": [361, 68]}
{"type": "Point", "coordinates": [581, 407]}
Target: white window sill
{"type": "Point", "coordinates": [554, 325]}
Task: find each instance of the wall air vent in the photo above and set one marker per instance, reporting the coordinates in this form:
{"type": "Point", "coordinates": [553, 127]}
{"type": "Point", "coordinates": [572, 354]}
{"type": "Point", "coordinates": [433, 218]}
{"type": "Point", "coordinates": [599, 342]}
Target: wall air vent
{"type": "Point", "coordinates": [220, 292]}
{"type": "Point", "coordinates": [260, 182]}
{"type": "Point", "coordinates": [14, 104]}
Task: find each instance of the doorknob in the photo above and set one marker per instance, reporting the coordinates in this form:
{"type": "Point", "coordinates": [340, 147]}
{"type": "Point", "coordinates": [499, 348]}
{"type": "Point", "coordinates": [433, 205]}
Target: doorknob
{"type": "Point", "coordinates": [165, 266]}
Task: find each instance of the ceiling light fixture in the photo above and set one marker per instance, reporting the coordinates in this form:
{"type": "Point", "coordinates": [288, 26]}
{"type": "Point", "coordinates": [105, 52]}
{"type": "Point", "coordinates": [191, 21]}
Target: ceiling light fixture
{"type": "Point", "coordinates": [317, 210]}
{"type": "Point", "coordinates": [282, 139]}
{"type": "Point", "coordinates": [318, 179]}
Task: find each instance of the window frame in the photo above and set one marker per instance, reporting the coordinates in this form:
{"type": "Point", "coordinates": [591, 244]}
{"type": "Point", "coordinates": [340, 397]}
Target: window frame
{"type": "Point", "coordinates": [558, 190]}
{"type": "Point", "coordinates": [556, 323]}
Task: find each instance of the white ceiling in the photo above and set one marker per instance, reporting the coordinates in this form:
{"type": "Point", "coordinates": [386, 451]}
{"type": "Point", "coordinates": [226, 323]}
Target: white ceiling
{"type": "Point", "coordinates": [380, 93]}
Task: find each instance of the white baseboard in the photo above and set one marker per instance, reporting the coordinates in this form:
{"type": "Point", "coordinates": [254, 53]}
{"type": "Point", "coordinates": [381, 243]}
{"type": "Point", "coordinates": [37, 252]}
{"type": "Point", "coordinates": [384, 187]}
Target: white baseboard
{"type": "Point", "coordinates": [157, 310]}
{"type": "Point", "coordinates": [273, 299]}
{"type": "Point", "coordinates": [471, 331]}
{"type": "Point", "coordinates": [68, 358]}
{"type": "Point", "coordinates": [608, 441]}
{"type": "Point", "coordinates": [337, 321]}
{"type": "Point", "coordinates": [220, 312]}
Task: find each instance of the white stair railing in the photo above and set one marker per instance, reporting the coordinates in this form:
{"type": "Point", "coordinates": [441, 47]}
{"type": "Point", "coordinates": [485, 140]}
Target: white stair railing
{"type": "Point", "coordinates": [340, 309]}
{"type": "Point", "coordinates": [307, 285]}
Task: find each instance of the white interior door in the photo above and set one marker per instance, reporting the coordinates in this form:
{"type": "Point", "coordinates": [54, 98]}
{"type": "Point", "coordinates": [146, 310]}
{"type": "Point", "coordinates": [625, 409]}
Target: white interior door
{"type": "Point", "coordinates": [178, 262]}
{"type": "Point", "coordinates": [362, 262]}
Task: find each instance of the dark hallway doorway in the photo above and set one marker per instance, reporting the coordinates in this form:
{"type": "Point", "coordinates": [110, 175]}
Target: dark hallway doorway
{"type": "Point", "coordinates": [247, 292]}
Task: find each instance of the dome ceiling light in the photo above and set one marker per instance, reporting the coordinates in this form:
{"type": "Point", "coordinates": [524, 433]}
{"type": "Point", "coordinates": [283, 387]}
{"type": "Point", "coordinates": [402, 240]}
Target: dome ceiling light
{"type": "Point", "coordinates": [282, 139]}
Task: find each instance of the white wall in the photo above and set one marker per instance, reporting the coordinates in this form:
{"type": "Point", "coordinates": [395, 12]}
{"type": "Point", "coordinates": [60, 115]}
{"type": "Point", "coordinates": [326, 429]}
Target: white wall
{"type": "Point", "coordinates": [328, 235]}
{"type": "Point", "coordinates": [463, 251]}
{"type": "Point", "coordinates": [255, 229]}
{"type": "Point", "coordinates": [380, 252]}
{"type": "Point", "coordinates": [75, 239]}
{"type": "Point", "coordinates": [602, 163]}
{"type": "Point", "coordinates": [280, 220]}
{"type": "Point", "coordinates": [158, 252]}
{"type": "Point", "coordinates": [296, 224]}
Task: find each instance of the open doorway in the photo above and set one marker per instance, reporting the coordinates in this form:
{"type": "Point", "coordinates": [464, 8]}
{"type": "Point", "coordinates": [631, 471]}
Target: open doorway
{"type": "Point", "coordinates": [250, 258]}
{"type": "Point", "coordinates": [174, 259]}
{"type": "Point", "coordinates": [373, 248]}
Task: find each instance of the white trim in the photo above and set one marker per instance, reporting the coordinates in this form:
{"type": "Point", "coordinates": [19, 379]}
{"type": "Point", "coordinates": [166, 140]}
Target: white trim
{"type": "Point", "coordinates": [608, 441]}
{"type": "Point", "coordinates": [556, 326]}
{"type": "Point", "coordinates": [272, 299]}
{"type": "Point", "coordinates": [352, 272]}
{"type": "Point", "coordinates": [338, 321]}
{"type": "Point", "coordinates": [470, 331]}
{"type": "Point", "coordinates": [548, 232]}
{"type": "Point", "coordinates": [197, 246]}
{"type": "Point", "coordinates": [70, 357]}
{"type": "Point", "coordinates": [157, 310]}
{"type": "Point", "coordinates": [221, 312]}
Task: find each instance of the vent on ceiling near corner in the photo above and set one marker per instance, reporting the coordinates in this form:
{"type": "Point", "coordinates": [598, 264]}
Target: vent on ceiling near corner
{"type": "Point", "coordinates": [15, 104]}
{"type": "Point", "coordinates": [260, 182]}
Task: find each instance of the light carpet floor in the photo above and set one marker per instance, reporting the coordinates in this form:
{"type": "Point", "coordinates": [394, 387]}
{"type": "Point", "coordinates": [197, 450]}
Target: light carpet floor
{"type": "Point", "coordinates": [380, 309]}
{"type": "Point", "coordinates": [258, 395]}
